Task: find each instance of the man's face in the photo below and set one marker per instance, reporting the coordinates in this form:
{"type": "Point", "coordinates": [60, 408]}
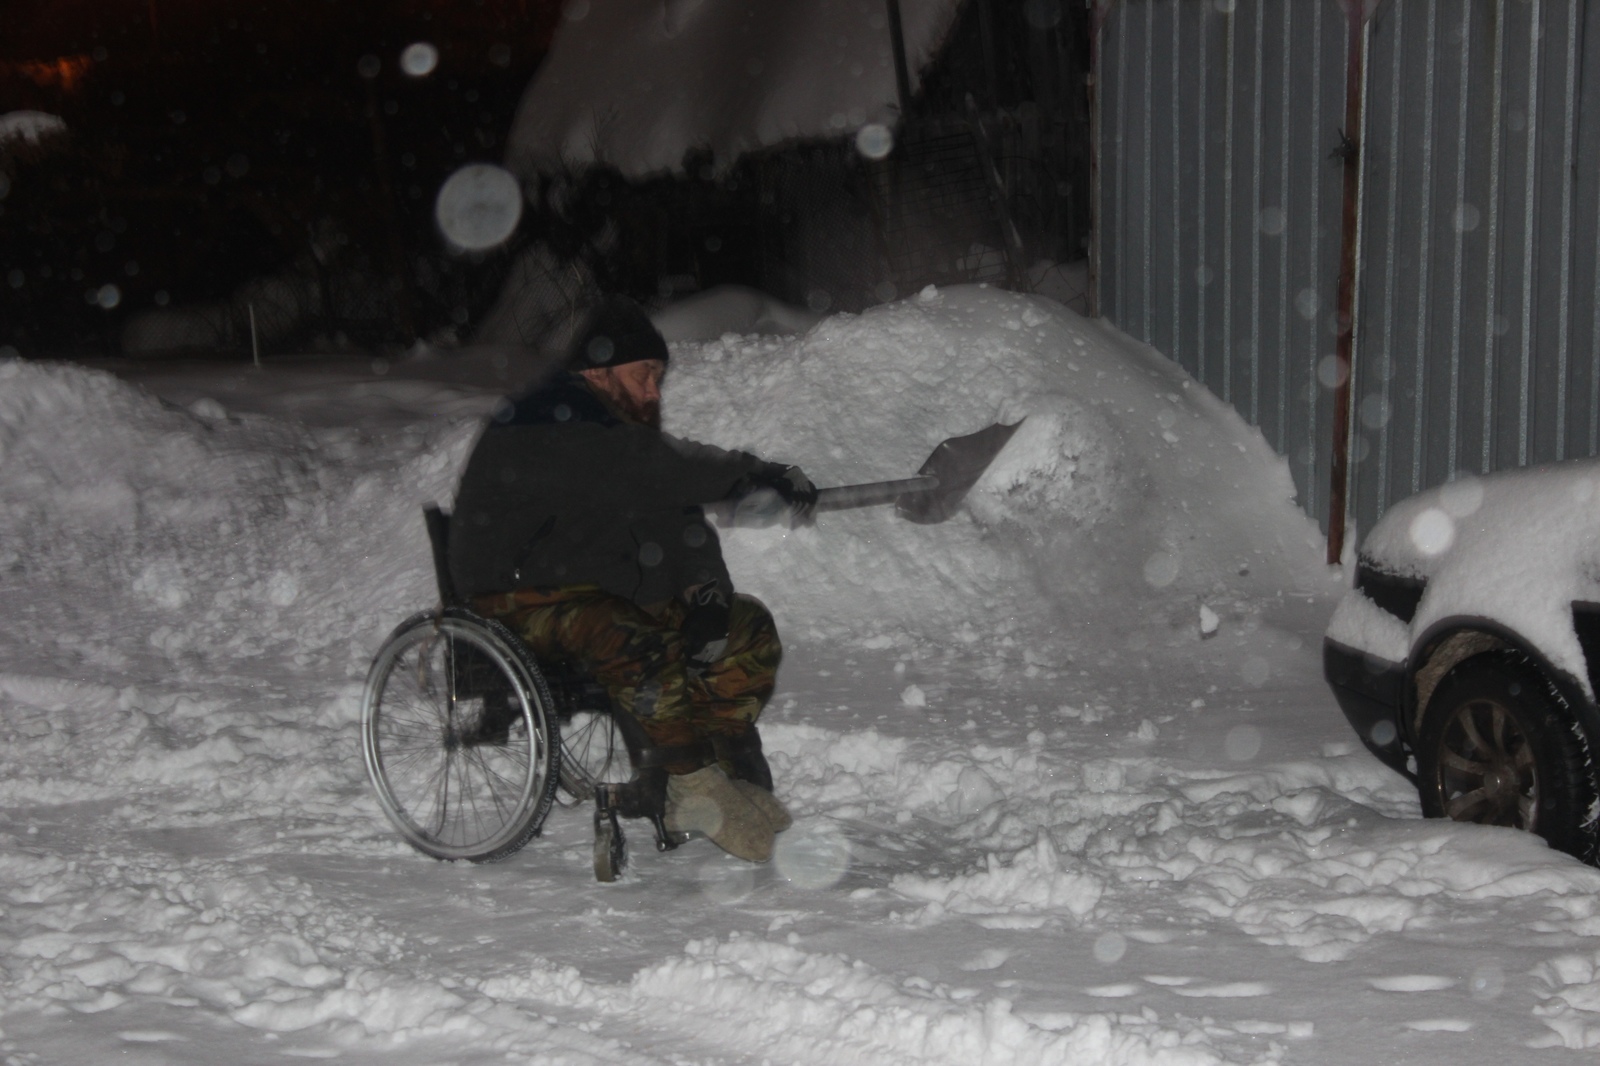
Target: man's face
{"type": "Point", "coordinates": [634, 388]}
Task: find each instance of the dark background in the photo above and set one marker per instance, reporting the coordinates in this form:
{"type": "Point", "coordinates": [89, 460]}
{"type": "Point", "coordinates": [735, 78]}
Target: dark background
{"type": "Point", "coordinates": [211, 143]}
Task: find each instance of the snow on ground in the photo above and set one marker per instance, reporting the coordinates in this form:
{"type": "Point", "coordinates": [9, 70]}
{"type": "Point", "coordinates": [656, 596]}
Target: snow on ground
{"type": "Point", "coordinates": [1069, 786]}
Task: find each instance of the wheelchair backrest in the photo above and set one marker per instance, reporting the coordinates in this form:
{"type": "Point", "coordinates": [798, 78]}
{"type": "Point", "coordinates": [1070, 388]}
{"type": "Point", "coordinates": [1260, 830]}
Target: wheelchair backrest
{"type": "Point", "coordinates": [438, 523]}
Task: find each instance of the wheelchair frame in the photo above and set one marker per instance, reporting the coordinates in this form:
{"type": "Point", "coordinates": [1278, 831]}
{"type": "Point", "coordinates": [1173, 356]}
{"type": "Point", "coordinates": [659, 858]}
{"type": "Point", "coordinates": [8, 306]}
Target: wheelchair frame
{"type": "Point", "coordinates": [452, 688]}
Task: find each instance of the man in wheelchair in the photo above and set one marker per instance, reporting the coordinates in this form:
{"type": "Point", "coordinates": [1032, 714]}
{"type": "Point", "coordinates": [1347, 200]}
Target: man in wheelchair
{"type": "Point", "coordinates": [579, 524]}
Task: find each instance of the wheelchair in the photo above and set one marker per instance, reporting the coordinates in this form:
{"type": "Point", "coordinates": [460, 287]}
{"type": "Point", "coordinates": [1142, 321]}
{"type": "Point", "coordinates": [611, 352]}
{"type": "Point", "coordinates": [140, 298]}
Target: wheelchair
{"type": "Point", "coordinates": [469, 742]}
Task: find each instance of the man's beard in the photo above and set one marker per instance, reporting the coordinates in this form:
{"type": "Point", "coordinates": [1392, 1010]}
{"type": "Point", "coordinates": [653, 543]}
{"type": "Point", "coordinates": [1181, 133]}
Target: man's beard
{"type": "Point", "coordinates": [644, 412]}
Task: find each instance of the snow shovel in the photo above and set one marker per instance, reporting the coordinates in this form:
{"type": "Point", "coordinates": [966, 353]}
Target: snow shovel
{"type": "Point", "coordinates": [932, 496]}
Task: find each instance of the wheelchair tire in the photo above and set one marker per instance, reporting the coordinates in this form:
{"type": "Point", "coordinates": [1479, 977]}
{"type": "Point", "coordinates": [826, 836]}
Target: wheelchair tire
{"type": "Point", "coordinates": [610, 848]}
{"type": "Point", "coordinates": [457, 732]}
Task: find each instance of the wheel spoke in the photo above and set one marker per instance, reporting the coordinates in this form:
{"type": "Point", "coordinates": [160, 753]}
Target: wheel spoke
{"type": "Point", "coordinates": [494, 781]}
{"type": "Point", "coordinates": [1459, 807]}
{"type": "Point", "coordinates": [441, 798]}
{"type": "Point", "coordinates": [1497, 721]}
{"type": "Point", "coordinates": [1463, 764]}
{"type": "Point", "coordinates": [1469, 726]}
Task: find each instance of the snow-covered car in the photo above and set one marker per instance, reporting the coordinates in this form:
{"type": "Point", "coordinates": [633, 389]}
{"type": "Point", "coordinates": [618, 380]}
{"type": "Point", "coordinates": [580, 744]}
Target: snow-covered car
{"type": "Point", "coordinates": [1467, 656]}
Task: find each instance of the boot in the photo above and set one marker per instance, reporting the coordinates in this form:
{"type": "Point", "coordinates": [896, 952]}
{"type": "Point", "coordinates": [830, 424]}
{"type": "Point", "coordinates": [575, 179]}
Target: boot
{"type": "Point", "coordinates": [771, 808]}
{"type": "Point", "coordinates": [707, 802]}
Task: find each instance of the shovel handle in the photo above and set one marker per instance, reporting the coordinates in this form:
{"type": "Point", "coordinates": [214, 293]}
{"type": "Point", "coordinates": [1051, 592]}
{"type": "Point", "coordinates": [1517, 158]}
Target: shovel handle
{"type": "Point", "coordinates": [843, 497]}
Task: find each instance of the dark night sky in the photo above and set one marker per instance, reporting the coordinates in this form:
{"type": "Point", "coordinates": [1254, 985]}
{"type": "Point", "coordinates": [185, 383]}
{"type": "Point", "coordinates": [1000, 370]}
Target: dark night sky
{"type": "Point", "coordinates": [208, 140]}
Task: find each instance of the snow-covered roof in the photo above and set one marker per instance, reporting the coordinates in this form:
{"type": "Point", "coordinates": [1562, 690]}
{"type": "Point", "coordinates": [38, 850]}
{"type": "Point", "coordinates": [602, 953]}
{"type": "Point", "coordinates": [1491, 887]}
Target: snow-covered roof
{"type": "Point", "coordinates": [636, 83]}
{"type": "Point", "coordinates": [30, 127]}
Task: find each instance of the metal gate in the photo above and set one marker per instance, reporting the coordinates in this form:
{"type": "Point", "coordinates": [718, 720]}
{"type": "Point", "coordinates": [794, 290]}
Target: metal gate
{"type": "Point", "coordinates": [1476, 308]}
{"type": "Point", "coordinates": [1219, 208]}
{"type": "Point", "coordinates": [1479, 303]}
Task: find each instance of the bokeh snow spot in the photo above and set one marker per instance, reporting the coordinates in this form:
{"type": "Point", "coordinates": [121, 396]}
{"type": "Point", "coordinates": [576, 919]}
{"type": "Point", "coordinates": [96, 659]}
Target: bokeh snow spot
{"type": "Point", "coordinates": [479, 206]}
{"type": "Point", "coordinates": [812, 855]}
{"type": "Point", "coordinates": [1242, 743]}
{"type": "Point", "coordinates": [1433, 531]}
{"type": "Point", "coordinates": [875, 140]}
{"type": "Point", "coordinates": [1307, 303]}
{"type": "Point", "coordinates": [1110, 947]}
{"type": "Point", "coordinates": [419, 59]}
{"type": "Point", "coordinates": [1332, 371]}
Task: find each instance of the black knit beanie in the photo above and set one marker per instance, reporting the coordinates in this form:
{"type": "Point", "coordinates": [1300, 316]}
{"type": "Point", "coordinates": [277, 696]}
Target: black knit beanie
{"type": "Point", "coordinates": [616, 331]}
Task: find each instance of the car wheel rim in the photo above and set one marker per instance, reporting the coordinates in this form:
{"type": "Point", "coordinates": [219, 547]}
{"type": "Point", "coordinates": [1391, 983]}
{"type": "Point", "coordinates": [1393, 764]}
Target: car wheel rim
{"type": "Point", "coordinates": [1487, 771]}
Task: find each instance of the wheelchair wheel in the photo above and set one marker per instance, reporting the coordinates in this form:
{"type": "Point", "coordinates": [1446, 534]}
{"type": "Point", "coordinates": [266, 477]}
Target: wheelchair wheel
{"type": "Point", "coordinates": [610, 847]}
{"type": "Point", "coordinates": [457, 733]}
{"type": "Point", "coordinates": [592, 753]}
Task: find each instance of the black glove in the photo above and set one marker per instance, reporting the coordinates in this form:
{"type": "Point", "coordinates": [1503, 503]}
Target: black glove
{"type": "Point", "coordinates": [766, 492]}
{"type": "Point", "coordinates": [792, 486]}
{"type": "Point", "coordinates": [705, 626]}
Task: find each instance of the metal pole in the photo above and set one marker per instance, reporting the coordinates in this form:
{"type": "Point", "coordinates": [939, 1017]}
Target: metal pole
{"type": "Point", "coordinates": [1097, 18]}
{"type": "Point", "coordinates": [255, 345]}
{"type": "Point", "coordinates": [897, 41]}
{"type": "Point", "coordinates": [1354, 86]}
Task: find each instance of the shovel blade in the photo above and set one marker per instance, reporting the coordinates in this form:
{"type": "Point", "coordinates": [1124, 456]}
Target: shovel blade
{"type": "Point", "coordinates": [957, 463]}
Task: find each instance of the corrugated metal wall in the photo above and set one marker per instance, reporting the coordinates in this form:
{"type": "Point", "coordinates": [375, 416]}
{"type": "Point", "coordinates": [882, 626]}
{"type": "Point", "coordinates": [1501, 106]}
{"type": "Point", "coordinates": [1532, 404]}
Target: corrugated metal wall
{"type": "Point", "coordinates": [1219, 204]}
{"type": "Point", "coordinates": [1480, 302]}
{"type": "Point", "coordinates": [1477, 343]}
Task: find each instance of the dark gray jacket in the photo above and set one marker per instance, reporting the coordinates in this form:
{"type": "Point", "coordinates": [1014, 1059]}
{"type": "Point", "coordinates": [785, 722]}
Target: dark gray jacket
{"type": "Point", "coordinates": [561, 491]}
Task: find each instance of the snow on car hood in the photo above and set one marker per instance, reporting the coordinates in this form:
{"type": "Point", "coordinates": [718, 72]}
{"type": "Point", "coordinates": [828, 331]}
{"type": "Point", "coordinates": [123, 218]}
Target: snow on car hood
{"type": "Point", "coordinates": [1516, 547]}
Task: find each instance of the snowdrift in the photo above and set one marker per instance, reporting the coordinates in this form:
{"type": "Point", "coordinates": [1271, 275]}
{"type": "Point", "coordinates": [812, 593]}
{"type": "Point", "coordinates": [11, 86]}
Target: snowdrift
{"type": "Point", "coordinates": [1127, 491]}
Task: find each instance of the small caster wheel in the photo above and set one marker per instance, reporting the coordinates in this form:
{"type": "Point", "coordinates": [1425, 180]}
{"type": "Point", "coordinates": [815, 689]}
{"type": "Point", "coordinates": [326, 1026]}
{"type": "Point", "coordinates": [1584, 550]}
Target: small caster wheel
{"type": "Point", "coordinates": [610, 848]}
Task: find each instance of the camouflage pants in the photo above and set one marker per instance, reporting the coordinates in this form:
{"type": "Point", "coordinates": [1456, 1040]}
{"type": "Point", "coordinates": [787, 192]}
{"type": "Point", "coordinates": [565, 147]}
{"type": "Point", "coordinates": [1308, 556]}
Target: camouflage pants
{"type": "Point", "coordinates": [638, 656]}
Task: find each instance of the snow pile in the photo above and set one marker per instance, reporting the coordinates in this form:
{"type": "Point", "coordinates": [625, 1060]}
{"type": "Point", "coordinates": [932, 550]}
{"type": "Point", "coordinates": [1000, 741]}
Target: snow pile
{"type": "Point", "coordinates": [165, 546]}
{"type": "Point", "coordinates": [1110, 428]}
{"type": "Point", "coordinates": [216, 537]}
{"type": "Point", "coordinates": [725, 76]}
{"type": "Point", "coordinates": [1571, 996]}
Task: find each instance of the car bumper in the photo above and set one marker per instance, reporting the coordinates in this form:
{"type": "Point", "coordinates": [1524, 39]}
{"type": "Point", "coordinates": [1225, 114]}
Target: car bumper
{"type": "Point", "coordinates": [1371, 693]}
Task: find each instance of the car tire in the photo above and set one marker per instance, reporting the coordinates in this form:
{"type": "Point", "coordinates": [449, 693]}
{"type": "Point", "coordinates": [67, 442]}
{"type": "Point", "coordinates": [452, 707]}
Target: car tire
{"type": "Point", "coordinates": [1497, 748]}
